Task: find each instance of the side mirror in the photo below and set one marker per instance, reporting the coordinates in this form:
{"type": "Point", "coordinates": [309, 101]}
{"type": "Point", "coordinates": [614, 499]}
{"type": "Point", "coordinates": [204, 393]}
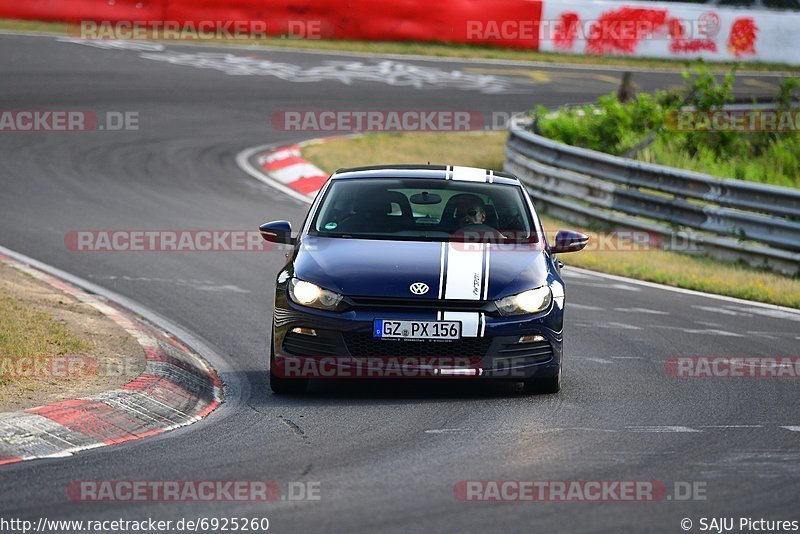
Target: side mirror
{"type": "Point", "coordinates": [569, 241]}
{"type": "Point", "coordinates": [277, 232]}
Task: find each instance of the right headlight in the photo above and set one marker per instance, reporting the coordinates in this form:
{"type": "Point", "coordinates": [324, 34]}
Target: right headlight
{"type": "Point", "coordinates": [531, 301]}
{"type": "Point", "coordinates": [313, 296]}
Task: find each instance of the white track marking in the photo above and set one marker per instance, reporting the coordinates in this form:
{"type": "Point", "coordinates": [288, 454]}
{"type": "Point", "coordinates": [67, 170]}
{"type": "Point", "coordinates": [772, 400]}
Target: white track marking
{"type": "Point", "coordinates": [574, 274]}
{"type": "Point", "coordinates": [606, 286]}
{"type": "Point", "coordinates": [199, 285]}
{"type": "Point", "coordinates": [644, 429]}
{"type": "Point", "coordinates": [598, 360]}
{"type": "Point", "coordinates": [577, 306]}
{"type": "Point", "coordinates": [109, 44]}
{"type": "Point", "coordinates": [720, 310]}
{"type": "Point", "coordinates": [607, 324]}
{"type": "Point", "coordinates": [774, 314]}
{"type": "Point", "coordinates": [659, 429]}
{"type": "Point", "coordinates": [692, 292]}
{"type": "Point", "coordinates": [641, 310]}
{"type": "Point", "coordinates": [765, 335]}
{"type": "Point", "coordinates": [702, 332]}
{"type": "Point", "coordinates": [346, 72]}
{"type": "Point", "coordinates": [231, 288]}
{"type": "Point", "coordinates": [731, 426]}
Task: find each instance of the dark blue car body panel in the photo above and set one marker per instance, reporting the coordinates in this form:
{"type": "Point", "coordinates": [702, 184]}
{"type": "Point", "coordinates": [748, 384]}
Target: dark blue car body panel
{"type": "Point", "coordinates": [369, 267]}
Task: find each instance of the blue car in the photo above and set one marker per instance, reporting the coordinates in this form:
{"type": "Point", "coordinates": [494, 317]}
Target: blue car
{"type": "Point", "coordinates": [419, 271]}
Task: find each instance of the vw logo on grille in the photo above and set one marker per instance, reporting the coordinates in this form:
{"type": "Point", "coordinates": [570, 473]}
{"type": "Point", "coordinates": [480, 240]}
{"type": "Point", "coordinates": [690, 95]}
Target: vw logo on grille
{"type": "Point", "coordinates": [419, 288]}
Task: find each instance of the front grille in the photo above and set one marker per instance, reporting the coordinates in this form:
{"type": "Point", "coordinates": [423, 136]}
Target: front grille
{"type": "Point", "coordinates": [305, 345]}
{"type": "Point", "coordinates": [421, 304]}
{"type": "Point", "coordinates": [364, 345]}
{"type": "Point", "coordinates": [537, 351]}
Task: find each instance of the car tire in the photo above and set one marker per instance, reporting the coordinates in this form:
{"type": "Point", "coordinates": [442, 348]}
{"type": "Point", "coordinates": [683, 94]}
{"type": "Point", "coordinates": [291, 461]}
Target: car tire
{"type": "Point", "coordinates": [546, 385]}
{"type": "Point", "coordinates": [287, 386]}
{"type": "Point", "coordinates": [282, 385]}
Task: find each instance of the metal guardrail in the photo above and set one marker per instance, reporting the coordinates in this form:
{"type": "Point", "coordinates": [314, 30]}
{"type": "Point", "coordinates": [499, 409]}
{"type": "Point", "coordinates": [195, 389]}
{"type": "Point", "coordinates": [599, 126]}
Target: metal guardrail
{"type": "Point", "coordinates": [727, 218]}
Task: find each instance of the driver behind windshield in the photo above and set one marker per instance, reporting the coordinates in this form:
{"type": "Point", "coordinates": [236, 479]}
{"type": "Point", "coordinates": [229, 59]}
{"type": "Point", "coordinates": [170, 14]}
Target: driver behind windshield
{"type": "Point", "coordinates": [470, 212]}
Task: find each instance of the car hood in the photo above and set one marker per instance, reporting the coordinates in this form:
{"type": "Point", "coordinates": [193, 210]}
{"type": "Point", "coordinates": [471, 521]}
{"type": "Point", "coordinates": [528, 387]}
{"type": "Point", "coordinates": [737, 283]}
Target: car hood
{"type": "Point", "coordinates": [382, 268]}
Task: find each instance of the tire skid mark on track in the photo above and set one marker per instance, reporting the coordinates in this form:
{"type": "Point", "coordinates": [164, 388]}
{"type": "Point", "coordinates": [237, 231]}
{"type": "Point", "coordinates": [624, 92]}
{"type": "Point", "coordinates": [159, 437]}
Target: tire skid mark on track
{"type": "Point", "coordinates": [177, 388]}
{"type": "Point", "coordinates": [633, 429]}
{"type": "Point", "coordinates": [295, 429]}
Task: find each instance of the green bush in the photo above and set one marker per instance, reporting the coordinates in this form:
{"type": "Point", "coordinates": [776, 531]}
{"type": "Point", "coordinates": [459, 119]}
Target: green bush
{"type": "Point", "coordinates": [645, 125]}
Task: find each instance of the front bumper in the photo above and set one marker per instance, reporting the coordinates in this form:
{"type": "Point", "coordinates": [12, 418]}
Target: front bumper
{"type": "Point", "coordinates": [344, 346]}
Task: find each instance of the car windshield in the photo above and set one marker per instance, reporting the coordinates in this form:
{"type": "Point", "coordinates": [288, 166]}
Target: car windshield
{"type": "Point", "coordinates": [423, 209]}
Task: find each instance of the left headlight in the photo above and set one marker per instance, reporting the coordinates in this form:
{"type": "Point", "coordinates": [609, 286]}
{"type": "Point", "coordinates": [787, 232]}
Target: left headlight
{"type": "Point", "coordinates": [531, 301]}
{"type": "Point", "coordinates": [313, 296]}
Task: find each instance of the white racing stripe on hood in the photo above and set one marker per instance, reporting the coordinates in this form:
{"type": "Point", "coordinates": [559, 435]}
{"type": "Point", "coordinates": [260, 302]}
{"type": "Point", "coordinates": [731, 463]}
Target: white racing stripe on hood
{"type": "Point", "coordinates": [470, 322]}
{"type": "Point", "coordinates": [487, 254]}
{"type": "Point", "coordinates": [442, 256]}
{"type": "Point", "coordinates": [464, 268]}
{"type": "Point", "coordinates": [466, 277]}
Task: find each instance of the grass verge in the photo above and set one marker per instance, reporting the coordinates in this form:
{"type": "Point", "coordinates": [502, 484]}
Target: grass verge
{"type": "Point", "coordinates": [432, 49]}
{"type": "Point", "coordinates": [27, 333]}
{"type": "Point", "coordinates": [54, 347]}
{"type": "Point", "coordinates": [778, 165]}
{"type": "Point", "coordinates": [485, 149]}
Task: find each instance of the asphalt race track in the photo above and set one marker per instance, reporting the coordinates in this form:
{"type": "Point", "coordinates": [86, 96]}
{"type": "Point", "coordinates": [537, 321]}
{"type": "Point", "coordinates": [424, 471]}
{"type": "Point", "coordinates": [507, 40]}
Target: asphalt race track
{"type": "Point", "coordinates": [386, 455]}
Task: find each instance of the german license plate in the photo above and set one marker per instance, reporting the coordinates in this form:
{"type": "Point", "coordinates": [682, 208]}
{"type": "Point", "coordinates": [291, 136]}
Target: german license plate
{"type": "Point", "coordinates": [390, 328]}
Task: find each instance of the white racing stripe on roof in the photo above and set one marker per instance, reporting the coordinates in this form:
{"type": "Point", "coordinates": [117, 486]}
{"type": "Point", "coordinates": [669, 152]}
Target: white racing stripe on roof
{"type": "Point", "coordinates": [469, 174]}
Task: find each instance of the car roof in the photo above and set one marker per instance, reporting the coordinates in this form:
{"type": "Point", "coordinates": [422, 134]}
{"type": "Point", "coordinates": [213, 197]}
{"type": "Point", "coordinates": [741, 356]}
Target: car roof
{"type": "Point", "coordinates": [431, 172]}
